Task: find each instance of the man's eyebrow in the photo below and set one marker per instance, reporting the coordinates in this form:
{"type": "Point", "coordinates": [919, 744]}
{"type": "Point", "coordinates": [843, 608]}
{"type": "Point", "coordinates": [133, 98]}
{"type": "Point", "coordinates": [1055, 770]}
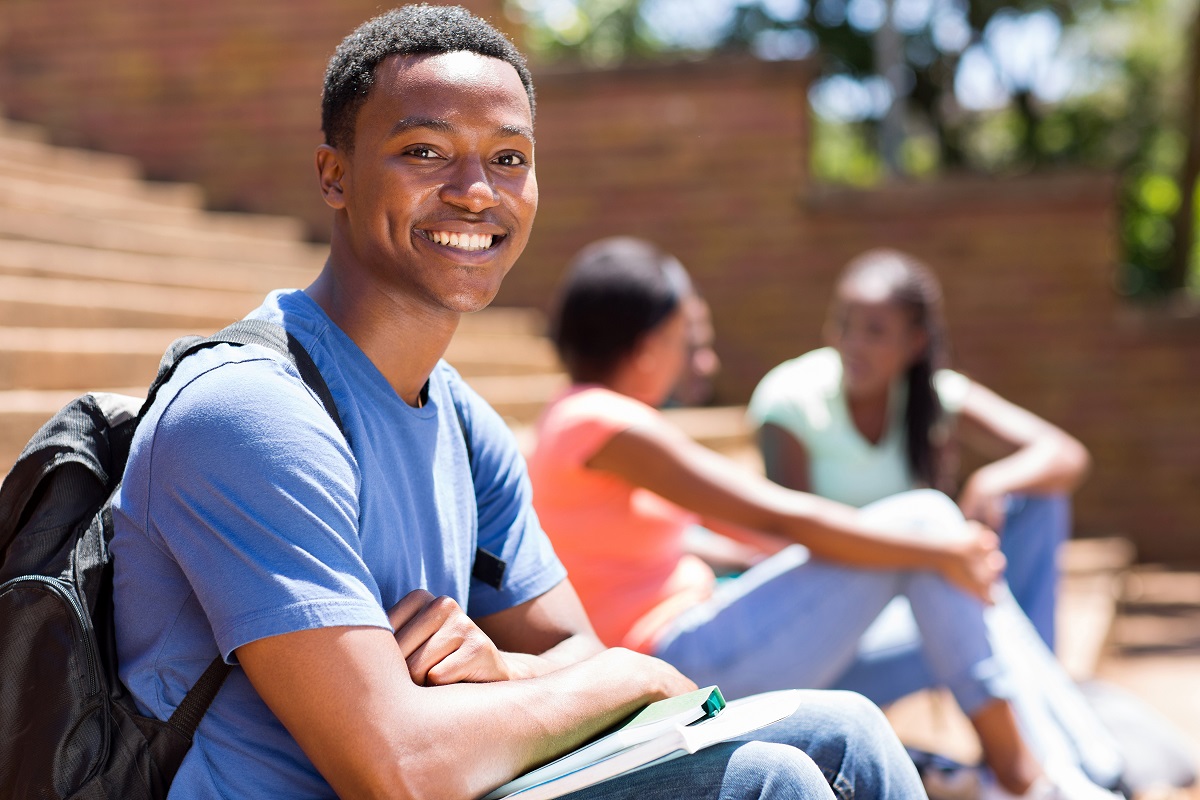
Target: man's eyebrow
{"type": "Point", "coordinates": [517, 130]}
{"type": "Point", "coordinates": [409, 123]}
{"type": "Point", "coordinates": [445, 126]}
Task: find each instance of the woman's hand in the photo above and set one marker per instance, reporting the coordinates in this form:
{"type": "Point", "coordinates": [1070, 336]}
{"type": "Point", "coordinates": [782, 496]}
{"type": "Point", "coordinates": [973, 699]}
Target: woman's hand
{"type": "Point", "coordinates": [442, 645]}
{"type": "Point", "coordinates": [975, 563]}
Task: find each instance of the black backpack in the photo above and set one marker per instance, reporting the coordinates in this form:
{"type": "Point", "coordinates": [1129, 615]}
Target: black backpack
{"type": "Point", "coordinates": [68, 727]}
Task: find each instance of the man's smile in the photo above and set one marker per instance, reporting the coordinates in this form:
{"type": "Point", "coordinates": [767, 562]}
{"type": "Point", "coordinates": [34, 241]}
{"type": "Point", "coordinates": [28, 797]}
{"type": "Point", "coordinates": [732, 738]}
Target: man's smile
{"type": "Point", "coordinates": [462, 241]}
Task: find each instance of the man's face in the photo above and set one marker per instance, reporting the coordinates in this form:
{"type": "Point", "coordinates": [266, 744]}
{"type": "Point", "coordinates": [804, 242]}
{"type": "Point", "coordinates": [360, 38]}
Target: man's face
{"type": "Point", "coordinates": [439, 191]}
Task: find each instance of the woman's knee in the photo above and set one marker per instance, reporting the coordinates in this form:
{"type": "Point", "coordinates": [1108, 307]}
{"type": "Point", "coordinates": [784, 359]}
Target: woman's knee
{"type": "Point", "coordinates": [925, 511]}
{"type": "Point", "coordinates": [771, 771]}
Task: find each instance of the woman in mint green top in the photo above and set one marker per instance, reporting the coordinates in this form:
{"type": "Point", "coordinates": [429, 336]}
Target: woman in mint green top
{"type": "Point", "coordinates": [805, 399]}
{"type": "Point", "coordinates": [877, 413]}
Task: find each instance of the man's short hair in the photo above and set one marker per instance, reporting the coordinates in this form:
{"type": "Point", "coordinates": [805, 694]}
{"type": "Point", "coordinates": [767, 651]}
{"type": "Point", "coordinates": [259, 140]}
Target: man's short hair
{"type": "Point", "coordinates": [411, 30]}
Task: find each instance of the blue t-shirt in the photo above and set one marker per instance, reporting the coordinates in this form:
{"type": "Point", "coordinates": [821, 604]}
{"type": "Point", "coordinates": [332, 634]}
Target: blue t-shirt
{"type": "Point", "coordinates": [245, 513]}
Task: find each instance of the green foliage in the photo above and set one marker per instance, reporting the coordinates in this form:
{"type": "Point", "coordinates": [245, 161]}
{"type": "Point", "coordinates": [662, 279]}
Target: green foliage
{"type": "Point", "coordinates": [594, 32]}
{"type": "Point", "coordinates": [1123, 59]}
{"type": "Point", "coordinates": [843, 154]}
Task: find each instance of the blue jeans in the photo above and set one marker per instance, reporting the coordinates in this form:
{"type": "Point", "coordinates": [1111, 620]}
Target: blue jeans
{"type": "Point", "coordinates": [838, 745]}
{"type": "Point", "coordinates": [890, 665]}
{"type": "Point", "coordinates": [1035, 526]}
{"type": "Point", "coordinates": [796, 622]}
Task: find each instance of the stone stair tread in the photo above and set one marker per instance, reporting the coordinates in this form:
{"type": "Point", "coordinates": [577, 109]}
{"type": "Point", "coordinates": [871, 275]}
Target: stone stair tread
{"type": "Point", "coordinates": [712, 424]}
{"type": "Point", "coordinates": [54, 259]}
{"type": "Point", "coordinates": [506, 353]}
{"type": "Point", "coordinates": [509, 320]}
{"type": "Point", "coordinates": [160, 301]}
{"type": "Point", "coordinates": [138, 237]}
{"type": "Point", "coordinates": [88, 340]}
{"type": "Point", "coordinates": [82, 168]}
{"type": "Point", "coordinates": [32, 151]}
{"type": "Point", "coordinates": [49, 401]}
{"type": "Point", "coordinates": [1098, 554]}
{"type": "Point", "coordinates": [93, 202]}
{"type": "Point", "coordinates": [13, 130]}
{"type": "Point", "coordinates": [519, 390]}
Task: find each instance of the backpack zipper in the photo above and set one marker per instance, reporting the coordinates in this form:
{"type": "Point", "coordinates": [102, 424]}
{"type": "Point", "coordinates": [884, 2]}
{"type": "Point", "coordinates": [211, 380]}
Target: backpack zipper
{"type": "Point", "coordinates": [57, 587]}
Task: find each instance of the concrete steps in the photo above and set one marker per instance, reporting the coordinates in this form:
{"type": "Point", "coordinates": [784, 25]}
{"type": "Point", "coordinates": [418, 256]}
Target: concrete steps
{"type": "Point", "coordinates": [26, 155]}
{"type": "Point", "coordinates": [32, 301]}
{"type": "Point", "coordinates": [147, 237]}
{"type": "Point", "coordinates": [57, 260]}
{"type": "Point", "coordinates": [98, 200]}
{"type": "Point", "coordinates": [90, 202]}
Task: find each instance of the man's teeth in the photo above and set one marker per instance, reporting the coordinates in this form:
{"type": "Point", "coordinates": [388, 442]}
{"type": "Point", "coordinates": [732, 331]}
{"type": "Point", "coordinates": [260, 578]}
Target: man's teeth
{"type": "Point", "coordinates": [462, 241]}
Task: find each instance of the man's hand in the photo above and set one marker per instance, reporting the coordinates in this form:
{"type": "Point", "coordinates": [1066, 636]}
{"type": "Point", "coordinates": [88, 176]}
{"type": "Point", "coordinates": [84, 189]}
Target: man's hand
{"type": "Point", "coordinates": [665, 680]}
{"type": "Point", "coordinates": [975, 563]}
{"type": "Point", "coordinates": [442, 645]}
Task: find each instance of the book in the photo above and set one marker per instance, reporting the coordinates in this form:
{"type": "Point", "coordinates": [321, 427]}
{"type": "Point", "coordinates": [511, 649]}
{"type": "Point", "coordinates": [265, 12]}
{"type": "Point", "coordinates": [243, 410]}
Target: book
{"type": "Point", "coordinates": [639, 727]}
{"type": "Point", "coordinates": [662, 737]}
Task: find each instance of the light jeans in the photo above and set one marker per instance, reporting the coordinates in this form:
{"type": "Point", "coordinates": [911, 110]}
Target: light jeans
{"type": "Point", "coordinates": [890, 664]}
{"type": "Point", "coordinates": [792, 621]}
{"type": "Point", "coordinates": [837, 745]}
{"type": "Point", "coordinates": [1035, 526]}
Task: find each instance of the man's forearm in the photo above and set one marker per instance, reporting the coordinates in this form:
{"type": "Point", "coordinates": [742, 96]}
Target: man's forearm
{"type": "Point", "coordinates": [565, 653]}
{"type": "Point", "coordinates": [531, 722]}
{"type": "Point", "coordinates": [347, 697]}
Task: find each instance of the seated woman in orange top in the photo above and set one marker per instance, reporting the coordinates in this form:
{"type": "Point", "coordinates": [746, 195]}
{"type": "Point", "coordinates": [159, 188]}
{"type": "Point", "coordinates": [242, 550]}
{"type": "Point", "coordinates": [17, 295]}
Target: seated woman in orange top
{"type": "Point", "coordinates": [616, 486]}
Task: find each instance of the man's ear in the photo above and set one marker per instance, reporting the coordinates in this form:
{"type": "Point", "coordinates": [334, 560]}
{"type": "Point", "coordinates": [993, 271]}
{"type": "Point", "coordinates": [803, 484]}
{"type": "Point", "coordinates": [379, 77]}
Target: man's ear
{"type": "Point", "coordinates": [331, 171]}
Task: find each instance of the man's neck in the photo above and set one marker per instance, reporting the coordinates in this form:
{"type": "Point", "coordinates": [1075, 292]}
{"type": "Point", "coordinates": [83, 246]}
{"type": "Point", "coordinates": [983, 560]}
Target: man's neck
{"type": "Point", "coordinates": [404, 340]}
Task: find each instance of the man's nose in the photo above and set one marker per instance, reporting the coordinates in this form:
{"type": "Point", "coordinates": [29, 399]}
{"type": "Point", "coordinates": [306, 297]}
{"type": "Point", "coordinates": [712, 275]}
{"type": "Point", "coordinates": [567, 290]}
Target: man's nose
{"type": "Point", "coordinates": [470, 187]}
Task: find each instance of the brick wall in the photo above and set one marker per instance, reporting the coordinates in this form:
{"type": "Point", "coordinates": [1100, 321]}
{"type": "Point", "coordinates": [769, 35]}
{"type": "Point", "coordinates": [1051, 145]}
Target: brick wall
{"type": "Point", "coordinates": [222, 92]}
{"type": "Point", "coordinates": [709, 161]}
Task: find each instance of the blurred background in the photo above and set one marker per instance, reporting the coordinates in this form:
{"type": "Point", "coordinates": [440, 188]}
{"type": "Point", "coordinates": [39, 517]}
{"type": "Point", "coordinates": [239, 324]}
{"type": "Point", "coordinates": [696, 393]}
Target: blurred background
{"type": "Point", "coordinates": [1041, 156]}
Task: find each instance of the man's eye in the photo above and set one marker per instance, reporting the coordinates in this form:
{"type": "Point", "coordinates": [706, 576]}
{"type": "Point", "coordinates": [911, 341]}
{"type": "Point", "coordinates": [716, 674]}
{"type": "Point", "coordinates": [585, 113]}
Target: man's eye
{"type": "Point", "coordinates": [510, 160]}
{"type": "Point", "coordinates": [421, 152]}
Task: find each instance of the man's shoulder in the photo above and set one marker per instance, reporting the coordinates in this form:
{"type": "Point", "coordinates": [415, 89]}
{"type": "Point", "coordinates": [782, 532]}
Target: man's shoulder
{"type": "Point", "coordinates": [226, 375]}
{"type": "Point", "coordinates": [233, 398]}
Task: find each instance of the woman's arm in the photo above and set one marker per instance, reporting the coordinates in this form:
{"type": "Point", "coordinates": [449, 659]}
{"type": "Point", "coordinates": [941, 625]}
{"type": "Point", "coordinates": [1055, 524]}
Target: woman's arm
{"type": "Point", "coordinates": [1031, 454]}
{"type": "Point", "coordinates": [668, 463]}
{"type": "Point", "coordinates": [784, 457]}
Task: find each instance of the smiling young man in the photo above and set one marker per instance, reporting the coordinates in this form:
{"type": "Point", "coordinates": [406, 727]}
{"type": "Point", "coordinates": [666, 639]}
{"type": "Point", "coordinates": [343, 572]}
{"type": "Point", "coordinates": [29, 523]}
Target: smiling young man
{"type": "Point", "coordinates": [335, 570]}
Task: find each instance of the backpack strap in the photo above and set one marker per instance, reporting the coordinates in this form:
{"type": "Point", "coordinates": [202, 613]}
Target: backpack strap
{"type": "Point", "coordinates": [187, 715]}
{"type": "Point", "coordinates": [247, 331]}
{"type": "Point", "coordinates": [486, 567]}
